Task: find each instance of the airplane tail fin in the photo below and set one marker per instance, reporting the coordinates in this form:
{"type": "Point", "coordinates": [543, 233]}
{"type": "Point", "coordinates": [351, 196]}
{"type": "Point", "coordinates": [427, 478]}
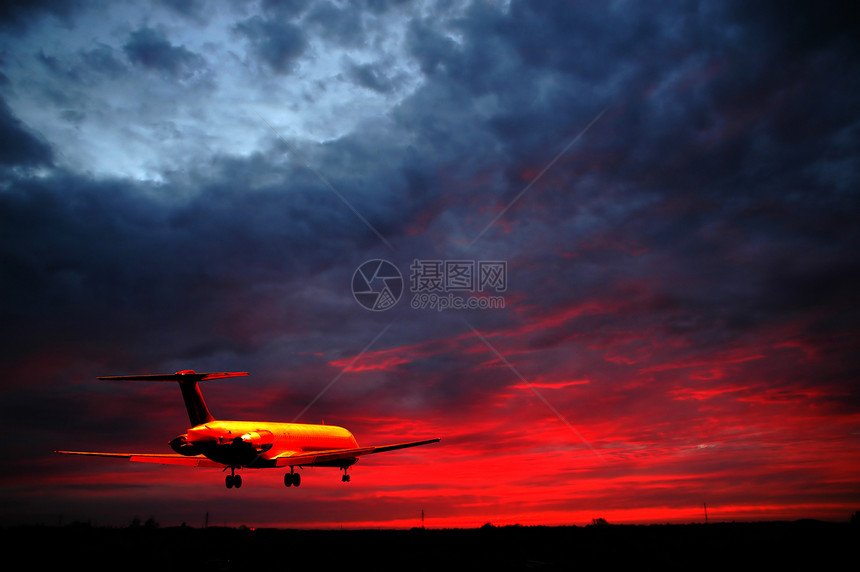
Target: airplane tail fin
{"type": "Point", "coordinates": [198, 413]}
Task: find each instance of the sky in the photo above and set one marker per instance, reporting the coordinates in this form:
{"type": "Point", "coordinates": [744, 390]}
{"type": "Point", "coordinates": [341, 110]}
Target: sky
{"type": "Point", "coordinates": [607, 251]}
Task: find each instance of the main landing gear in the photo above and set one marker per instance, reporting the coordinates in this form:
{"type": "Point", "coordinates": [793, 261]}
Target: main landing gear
{"type": "Point", "coordinates": [233, 480]}
{"type": "Point", "coordinates": [345, 477]}
{"type": "Point", "coordinates": [292, 479]}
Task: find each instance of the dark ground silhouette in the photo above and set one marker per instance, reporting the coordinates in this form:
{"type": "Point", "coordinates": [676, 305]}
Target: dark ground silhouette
{"type": "Point", "coordinates": [763, 545]}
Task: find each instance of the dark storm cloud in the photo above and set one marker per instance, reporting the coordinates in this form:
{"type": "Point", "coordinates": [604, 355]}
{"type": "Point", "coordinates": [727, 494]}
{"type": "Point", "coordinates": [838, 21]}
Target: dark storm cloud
{"type": "Point", "coordinates": [104, 59]}
{"type": "Point", "coordinates": [16, 16]}
{"type": "Point", "coordinates": [218, 272]}
{"type": "Point", "coordinates": [285, 8]}
{"type": "Point", "coordinates": [104, 249]}
{"type": "Point", "coordinates": [344, 25]}
{"type": "Point", "coordinates": [150, 49]}
{"type": "Point", "coordinates": [277, 42]}
{"type": "Point", "coordinates": [797, 27]}
{"type": "Point", "coordinates": [372, 76]}
{"type": "Point", "coordinates": [18, 145]}
{"type": "Point", "coordinates": [691, 200]}
{"type": "Point", "coordinates": [194, 9]}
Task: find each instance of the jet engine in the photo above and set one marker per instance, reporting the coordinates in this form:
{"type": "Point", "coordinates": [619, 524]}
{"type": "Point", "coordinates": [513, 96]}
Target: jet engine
{"type": "Point", "coordinates": [181, 445]}
{"type": "Point", "coordinates": [261, 440]}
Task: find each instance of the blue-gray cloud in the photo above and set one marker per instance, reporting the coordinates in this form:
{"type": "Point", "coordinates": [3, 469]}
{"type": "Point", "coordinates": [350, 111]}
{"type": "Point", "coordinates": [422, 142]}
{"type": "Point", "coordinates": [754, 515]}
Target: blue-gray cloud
{"type": "Point", "coordinates": [18, 145]}
{"type": "Point", "coordinates": [277, 43]}
{"type": "Point", "coordinates": [151, 50]}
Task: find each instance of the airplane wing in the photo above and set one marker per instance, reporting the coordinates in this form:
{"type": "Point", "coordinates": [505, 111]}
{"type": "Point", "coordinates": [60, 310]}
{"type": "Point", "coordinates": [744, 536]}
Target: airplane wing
{"type": "Point", "coordinates": [166, 459]}
{"type": "Point", "coordinates": [287, 459]}
{"type": "Point", "coordinates": [311, 458]}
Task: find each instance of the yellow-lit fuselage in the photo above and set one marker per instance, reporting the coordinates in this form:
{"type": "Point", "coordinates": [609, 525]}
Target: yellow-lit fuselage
{"type": "Point", "coordinates": [255, 444]}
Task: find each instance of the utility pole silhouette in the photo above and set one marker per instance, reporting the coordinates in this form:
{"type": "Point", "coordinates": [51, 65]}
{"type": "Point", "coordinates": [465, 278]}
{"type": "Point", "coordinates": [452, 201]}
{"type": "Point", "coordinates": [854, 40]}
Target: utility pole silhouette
{"type": "Point", "coordinates": [706, 513]}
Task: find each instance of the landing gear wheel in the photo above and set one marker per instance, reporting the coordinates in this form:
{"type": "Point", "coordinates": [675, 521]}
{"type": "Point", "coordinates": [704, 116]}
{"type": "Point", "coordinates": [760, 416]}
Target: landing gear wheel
{"type": "Point", "coordinates": [233, 480]}
{"type": "Point", "coordinates": [345, 477]}
{"type": "Point", "coordinates": [292, 479]}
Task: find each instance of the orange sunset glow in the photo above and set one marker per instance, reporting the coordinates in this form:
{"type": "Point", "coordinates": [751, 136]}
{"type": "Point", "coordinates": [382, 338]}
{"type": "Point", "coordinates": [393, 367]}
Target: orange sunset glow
{"type": "Point", "coordinates": [605, 252]}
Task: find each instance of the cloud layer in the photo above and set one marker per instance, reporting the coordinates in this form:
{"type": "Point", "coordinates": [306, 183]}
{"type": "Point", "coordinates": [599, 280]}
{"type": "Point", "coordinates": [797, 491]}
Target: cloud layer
{"type": "Point", "coordinates": [673, 190]}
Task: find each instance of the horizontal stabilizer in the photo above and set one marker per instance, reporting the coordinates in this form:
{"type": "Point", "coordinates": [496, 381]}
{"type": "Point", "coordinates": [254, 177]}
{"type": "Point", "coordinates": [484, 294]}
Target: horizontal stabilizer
{"type": "Point", "coordinates": [186, 375]}
{"type": "Point", "coordinates": [167, 459]}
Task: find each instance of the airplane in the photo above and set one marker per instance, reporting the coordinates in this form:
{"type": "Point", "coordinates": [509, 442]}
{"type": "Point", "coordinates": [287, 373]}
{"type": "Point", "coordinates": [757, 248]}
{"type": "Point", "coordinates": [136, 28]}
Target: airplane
{"type": "Point", "coordinates": [249, 444]}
